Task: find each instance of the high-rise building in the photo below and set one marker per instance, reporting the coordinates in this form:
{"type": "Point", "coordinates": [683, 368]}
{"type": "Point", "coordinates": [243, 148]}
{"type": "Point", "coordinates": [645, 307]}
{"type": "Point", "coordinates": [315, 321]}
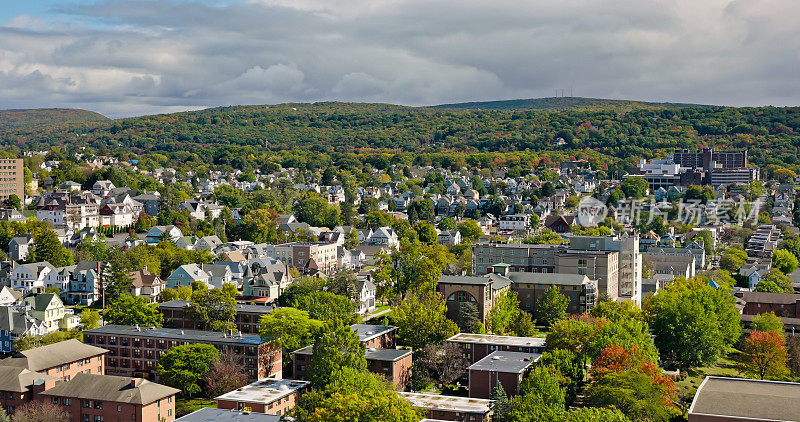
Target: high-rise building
{"type": "Point", "coordinates": [12, 178]}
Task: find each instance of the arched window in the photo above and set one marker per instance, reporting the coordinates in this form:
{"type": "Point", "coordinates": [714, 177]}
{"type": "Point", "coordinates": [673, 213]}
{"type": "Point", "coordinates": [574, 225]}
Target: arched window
{"type": "Point", "coordinates": [461, 296]}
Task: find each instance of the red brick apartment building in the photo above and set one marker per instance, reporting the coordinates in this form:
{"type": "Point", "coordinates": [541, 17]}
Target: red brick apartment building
{"type": "Point", "coordinates": [376, 336]}
{"type": "Point", "coordinates": [61, 360]}
{"type": "Point", "coordinates": [781, 304]}
{"type": "Point", "coordinates": [505, 368]}
{"type": "Point", "coordinates": [450, 408]}
{"type": "Point", "coordinates": [394, 364]}
{"type": "Point", "coordinates": [105, 398]}
{"type": "Point", "coordinates": [270, 396]}
{"type": "Point", "coordinates": [19, 386]}
{"type": "Point", "coordinates": [247, 316]}
{"type": "Point", "coordinates": [134, 351]}
{"type": "Point", "coordinates": [84, 394]}
{"type": "Point", "coordinates": [477, 346]}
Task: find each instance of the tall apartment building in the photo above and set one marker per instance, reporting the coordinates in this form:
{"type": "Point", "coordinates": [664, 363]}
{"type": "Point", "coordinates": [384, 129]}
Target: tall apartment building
{"type": "Point", "coordinates": [703, 159]}
{"type": "Point", "coordinates": [519, 257]}
{"type": "Point", "coordinates": [134, 351]}
{"type": "Point", "coordinates": [630, 260]}
{"type": "Point", "coordinates": [12, 178]}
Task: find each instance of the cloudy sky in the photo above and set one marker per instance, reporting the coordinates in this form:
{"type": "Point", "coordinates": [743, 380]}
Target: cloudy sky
{"type": "Point", "coordinates": [134, 57]}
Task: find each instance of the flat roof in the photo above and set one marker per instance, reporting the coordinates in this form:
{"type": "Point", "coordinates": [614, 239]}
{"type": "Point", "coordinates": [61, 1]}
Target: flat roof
{"type": "Point", "coordinates": [370, 353]}
{"type": "Point", "coordinates": [264, 391]}
{"type": "Point", "coordinates": [498, 340]}
{"type": "Point", "coordinates": [747, 399]}
{"type": "Point", "coordinates": [178, 334]}
{"type": "Point", "coordinates": [240, 307]}
{"type": "Point", "coordinates": [512, 362]}
{"type": "Point", "coordinates": [211, 414]}
{"type": "Point", "coordinates": [451, 403]}
{"type": "Point", "coordinates": [548, 278]}
{"type": "Point", "coordinates": [367, 332]}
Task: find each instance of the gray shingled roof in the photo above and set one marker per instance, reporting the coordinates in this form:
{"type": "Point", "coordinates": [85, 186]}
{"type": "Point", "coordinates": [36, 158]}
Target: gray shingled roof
{"type": "Point", "coordinates": [18, 380]}
{"type": "Point", "coordinates": [51, 355]}
{"type": "Point", "coordinates": [111, 388]}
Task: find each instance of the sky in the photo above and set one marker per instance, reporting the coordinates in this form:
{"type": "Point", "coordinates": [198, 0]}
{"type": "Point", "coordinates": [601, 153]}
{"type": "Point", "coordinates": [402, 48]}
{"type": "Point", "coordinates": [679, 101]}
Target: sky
{"type": "Point", "coordinates": [134, 57]}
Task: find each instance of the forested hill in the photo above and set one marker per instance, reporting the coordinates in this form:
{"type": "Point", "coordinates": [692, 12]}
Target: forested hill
{"type": "Point", "coordinates": [771, 134]}
{"type": "Point", "coordinates": [13, 119]}
{"type": "Point", "coordinates": [557, 103]}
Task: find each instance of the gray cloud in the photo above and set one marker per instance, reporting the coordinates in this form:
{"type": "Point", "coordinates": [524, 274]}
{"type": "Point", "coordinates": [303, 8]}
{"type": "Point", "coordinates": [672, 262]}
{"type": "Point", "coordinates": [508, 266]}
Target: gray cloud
{"type": "Point", "coordinates": [128, 57]}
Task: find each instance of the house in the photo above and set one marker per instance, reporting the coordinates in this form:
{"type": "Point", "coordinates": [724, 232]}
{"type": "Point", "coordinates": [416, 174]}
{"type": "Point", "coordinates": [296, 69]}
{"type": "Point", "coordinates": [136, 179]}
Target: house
{"type": "Point", "coordinates": [186, 274]}
{"type": "Point", "coordinates": [266, 282]}
{"type": "Point", "coordinates": [102, 188]}
{"type": "Point", "coordinates": [384, 236]}
{"type": "Point", "coordinates": [515, 222]}
{"type": "Point", "coordinates": [151, 203]}
{"type": "Point", "coordinates": [722, 399]}
{"type": "Point", "coordinates": [559, 223]}
{"type": "Point", "coordinates": [207, 243]}
{"type": "Point", "coordinates": [19, 246]}
{"type": "Point", "coordinates": [219, 275]}
{"type": "Point", "coordinates": [156, 233]}
{"type": "Point", "coordinates": [146, 284]}
{"type": "Point", "coordinates": [9, 296]}
{"type": "Point", "coordinates": [15, 324]}
{"type": "Point", "coordinates": [30, 276]}
{"type": "Point", "coordinates": [63, 360]}
{"type": "Point", "coordinates": [394, 364]}
{"type": "Point", "coordinates": [84, 282]}
{"type": "Point", "coordinates": [45, 307]}
{"type": "Point", "coordinates": [365, 302]}
{"type": "Point", "coordinates": [449, 237]}
{"type": "Point", "coordinates": [106, 397]}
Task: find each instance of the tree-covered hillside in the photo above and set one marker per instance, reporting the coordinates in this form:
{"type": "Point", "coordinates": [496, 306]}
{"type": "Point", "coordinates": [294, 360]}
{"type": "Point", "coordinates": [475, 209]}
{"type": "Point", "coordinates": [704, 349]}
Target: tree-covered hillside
{"type": "Point", "coordinates": [559, 103]}
{"type": "Point", "coordinates": [13, 119]}
{"type": "Point", "coordinates": [771, 134]}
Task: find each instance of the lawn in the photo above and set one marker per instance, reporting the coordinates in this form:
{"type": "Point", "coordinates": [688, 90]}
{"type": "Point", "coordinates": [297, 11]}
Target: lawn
{"type": "Point", "coordinates": [185, 406]}
{"type": "Point", "coordinates": [725, 366]}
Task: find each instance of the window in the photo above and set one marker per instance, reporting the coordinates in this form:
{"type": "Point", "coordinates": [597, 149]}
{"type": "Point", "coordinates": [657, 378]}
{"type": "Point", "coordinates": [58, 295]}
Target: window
{"type": "Point", "coordinates": [55, 400]}
{"type": "Point", "coordinates": [98, 418]}
{"type": "Point", "coordinates": [87, 403]}
{"type": "Point", "coordinates": [119, 408]}
{"type": "Point", "coordinates": [67, 401]}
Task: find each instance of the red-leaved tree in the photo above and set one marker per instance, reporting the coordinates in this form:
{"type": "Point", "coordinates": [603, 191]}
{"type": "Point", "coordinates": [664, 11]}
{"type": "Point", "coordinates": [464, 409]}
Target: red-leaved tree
{"type": "Point", "coordinates": [764, 355]}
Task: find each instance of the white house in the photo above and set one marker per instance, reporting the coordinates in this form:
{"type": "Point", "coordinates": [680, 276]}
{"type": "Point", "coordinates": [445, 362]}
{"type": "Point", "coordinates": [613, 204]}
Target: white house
{"type": "Point", "coordinates": [384, 236]}
{"type": "Point", "coordinates": [30, 276]}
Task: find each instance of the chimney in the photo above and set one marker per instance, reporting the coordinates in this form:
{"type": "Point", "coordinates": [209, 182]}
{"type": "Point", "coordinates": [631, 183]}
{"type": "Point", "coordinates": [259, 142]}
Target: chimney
{"type": "Point", "coordinates": [135, 382]}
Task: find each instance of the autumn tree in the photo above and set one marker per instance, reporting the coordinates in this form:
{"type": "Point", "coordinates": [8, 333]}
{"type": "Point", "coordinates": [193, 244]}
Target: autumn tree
{"type": "Point", "coordinates": [764, 355]}
{"type": "Point", "coordinates": [224, 375]}
{"type": "Point", "coordinates": [40, 411]}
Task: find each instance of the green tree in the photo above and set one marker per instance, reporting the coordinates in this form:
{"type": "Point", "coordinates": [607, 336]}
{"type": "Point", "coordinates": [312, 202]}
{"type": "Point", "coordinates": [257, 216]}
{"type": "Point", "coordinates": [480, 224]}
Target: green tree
{"type": "Point", "coordinates": [545, 237]}
{"type": "Point", "coordinates": [327, 306]}
{"type": "Point", "coordinates": [551, 307]}
{"type": "Point", "coordinates": [732, 259]}
{"type": "Point", "coordinates": [291, 328]}
{"type": "Point", "coordinates": [768, 322]}
{"type": "Point", "coordinates": [504, 313]}
{"type": "Point", "coordinates": [540, 398]}
{"type": "Point", "coordinates": [184, 366]}
{"type": "Point", "coordinates": [421, 320]}
{"type": "Point", "coordinates": [502, 406]}
{"type": "Point", "coordinates": [213, 309]}
{"type": "Point", "coordinates": [784, 260]}
{"type": "Point", "coordinates": [574, 335]}
{"type": "Point", "coordinates": [595, 414]}
{"type": "Point", "coordinates": [133, 310]}
{"type": "Point", "coordinates": [426, 232]}
{"type": "Point", "coordinates": [90, 319]}
{"type": "Point", "coordinates": [47, 247]}
{"type": "Point", "coordinates": [316, 211]}
{"type": "Point", "coordinates": [413, 266]}
{"type": "Point", "coordinates": [469, 319]}
{"type": "Point", "coordinates": [693, 323]}
{"type": "Point", "coordinates": [447, 223]}
{"type": "Point", "coordinates": [523, 325]}
{"type": "Point", "coordinates": [775, 281]}
{"type": "Point", "coordinates": [354, 396]}
{"type": "Point", "coordinates": [470, 230]}
{"type": "Point", "coordinates": [14, 202]}
{"type": "Point", "coordinates": [634, 187]}
{"type": "Point", "coordinates": [336, 347]}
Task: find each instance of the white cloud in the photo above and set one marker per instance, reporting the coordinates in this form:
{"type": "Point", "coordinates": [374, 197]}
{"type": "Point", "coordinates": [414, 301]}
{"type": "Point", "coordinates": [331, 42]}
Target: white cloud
{"type": "Point", "coordinates": [125, 57]}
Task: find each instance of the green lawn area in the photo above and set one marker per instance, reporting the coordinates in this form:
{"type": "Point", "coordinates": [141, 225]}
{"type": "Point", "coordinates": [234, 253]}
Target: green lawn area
{"type": "Point", "coordinates": [725, 367]}
{"type": "Point", "coordinates": [183, 406]}
{"type": "Point", "coordinates": [381, 306]}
